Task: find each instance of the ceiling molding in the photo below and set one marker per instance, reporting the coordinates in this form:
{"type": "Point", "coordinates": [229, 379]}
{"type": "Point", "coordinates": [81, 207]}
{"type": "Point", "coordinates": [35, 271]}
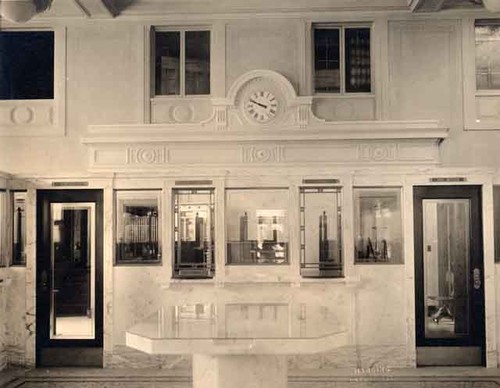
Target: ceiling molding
{"type": "Point", "coordinates": [97, 8]}
{"type": "Point", "coordinates": [426, 5]}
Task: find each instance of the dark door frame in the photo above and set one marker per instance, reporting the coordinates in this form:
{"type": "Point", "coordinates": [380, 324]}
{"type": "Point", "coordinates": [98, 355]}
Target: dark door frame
{"type": "Point", "coordinates": [43, 260]}
{"type": "Point", "coordinates": [477, 297]}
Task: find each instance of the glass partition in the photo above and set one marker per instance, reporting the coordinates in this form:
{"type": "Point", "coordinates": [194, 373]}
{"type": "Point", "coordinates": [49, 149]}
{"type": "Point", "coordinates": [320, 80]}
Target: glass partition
{"type": "Point", "coordinates": [194, 233]}
{"type": "Point", "coordinates": [321, 232]}
{"type": "Point", "coordinates": [19, 228]}
{"type": "Point", "coordinates": [257, 226]}
{"type": "Point", "coordinates": [377, 225]}
{"type": "Point", "coordinates": [138, 227]}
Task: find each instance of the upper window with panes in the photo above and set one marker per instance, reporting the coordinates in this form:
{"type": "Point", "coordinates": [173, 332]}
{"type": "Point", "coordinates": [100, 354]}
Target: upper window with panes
{"type": "Point", "coordinates": [182, 62]}
{"type": "Point", "coordinates": [487, 37]}
{"type": "Point", "coordinates": [26, 65]}
{"type": "Point", "coordinates": [342, 59]}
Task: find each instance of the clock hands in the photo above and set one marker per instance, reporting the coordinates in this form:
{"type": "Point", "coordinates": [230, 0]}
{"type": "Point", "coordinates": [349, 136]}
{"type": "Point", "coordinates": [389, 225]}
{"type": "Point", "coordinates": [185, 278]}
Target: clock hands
{"type": "Point", "coordinates": [259, 104]}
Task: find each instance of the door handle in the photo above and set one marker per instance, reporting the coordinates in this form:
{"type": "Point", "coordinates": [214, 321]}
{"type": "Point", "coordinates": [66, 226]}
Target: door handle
{"type": "Point", "coordinates": [476, 277]}
{"type": "Point", "coordinates": [44, 280]}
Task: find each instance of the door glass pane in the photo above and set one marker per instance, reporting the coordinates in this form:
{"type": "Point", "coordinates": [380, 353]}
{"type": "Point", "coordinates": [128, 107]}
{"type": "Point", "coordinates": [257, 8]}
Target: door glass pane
{"type": "Point", "coordinates": [73, 272]}
{"type": "Point", "coordinates": [446, 267]}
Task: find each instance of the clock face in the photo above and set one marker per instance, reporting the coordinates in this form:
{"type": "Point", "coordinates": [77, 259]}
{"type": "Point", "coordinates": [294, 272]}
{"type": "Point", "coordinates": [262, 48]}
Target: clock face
{"type": "Point", "coordinates": [261, 106]}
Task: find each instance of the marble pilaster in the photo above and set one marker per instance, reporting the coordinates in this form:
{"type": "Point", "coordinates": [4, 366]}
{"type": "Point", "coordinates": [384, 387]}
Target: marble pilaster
{"type": "Point", "coordinates": [3, 318]}
{"type": "Point", "coordinates": [30, 310]}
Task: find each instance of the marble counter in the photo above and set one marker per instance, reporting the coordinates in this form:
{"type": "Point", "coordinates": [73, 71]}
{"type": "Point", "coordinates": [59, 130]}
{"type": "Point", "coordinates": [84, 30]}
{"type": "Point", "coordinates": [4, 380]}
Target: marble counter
{"type": "Point", "coordinates": [245, 342]}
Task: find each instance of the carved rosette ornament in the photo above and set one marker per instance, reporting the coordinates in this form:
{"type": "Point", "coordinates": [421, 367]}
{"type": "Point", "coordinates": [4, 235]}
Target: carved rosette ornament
{"type": "Point", "coordinates": [147, 155]}
{"type": "Point", "coordinates": [262, 154]}
{"type": "Point", "coordinates": [378, 152]}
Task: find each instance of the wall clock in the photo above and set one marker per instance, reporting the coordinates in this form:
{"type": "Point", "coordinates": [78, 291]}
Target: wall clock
{"type": "Point", "coordinates": [261, 106]}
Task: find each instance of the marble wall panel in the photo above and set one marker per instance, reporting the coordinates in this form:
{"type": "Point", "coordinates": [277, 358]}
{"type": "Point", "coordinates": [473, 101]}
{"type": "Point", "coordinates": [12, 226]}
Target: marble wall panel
{"type": "Point", "coordinates": [16, 325]}
{"type": "Point", "coordinates": [136, 295]}
{"type": "Point", "coordinates": [125, 357]}
{"type": "Point", "coordinates": [379, 303]}
{"type": "Point", "coordinates": [353, 358]}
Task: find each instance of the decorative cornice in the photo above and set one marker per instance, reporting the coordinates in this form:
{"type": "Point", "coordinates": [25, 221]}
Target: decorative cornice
{"type": "Point", "coordinates": [182, 133]}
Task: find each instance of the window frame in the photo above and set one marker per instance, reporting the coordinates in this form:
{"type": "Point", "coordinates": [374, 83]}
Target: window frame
{"type": "Point", "coordinates": [484, 22]}
{"type": "Point", "coordinates": [208, 268]}
{"type": "Point", "coordinates": [310, 269]}
{"type": "Point", "coordinates": [356, 201]}
{"type": "Point", "coordinates": [182, 60]}
{"type": "Point", "coordinates": [21, 53]}
{"type": "Point", "coordinates": [472, 96]}
{"type": "Point", "coordinates": [57, 127]}
{"type": "Point", "coordinates": [122, 195]}
{"type": "Point", "coordinates": [342, 58]}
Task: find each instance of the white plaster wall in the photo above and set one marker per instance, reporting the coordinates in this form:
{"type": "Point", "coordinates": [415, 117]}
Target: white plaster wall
{"type": "Point", "coordinates": [426, 81]}
{"type": "Point", "coordinates": [263, 44]}
{"type": "Point", "coordinates": [104, 85]}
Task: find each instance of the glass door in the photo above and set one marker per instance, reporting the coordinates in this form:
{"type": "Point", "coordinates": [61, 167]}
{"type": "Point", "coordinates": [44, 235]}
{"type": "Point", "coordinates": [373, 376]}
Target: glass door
{"type": "Point", "coordinates": [449, 266]}
{"type": "Point", "coordinates": [69, 316]}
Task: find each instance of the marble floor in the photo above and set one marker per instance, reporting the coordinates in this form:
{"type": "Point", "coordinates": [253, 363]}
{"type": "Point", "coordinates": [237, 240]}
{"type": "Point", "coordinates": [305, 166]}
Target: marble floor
{"type": "Point", "coordinates": [143, 378]}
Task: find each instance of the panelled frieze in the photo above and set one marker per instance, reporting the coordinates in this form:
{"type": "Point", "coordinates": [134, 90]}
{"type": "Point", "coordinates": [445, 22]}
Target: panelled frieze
{"type": "Point", "coordinates": [158, 156]}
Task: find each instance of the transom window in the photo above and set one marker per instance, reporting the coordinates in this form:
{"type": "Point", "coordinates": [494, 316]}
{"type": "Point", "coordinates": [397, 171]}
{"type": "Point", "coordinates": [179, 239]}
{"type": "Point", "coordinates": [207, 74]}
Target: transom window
{"type": "Point", "coordinates": [26, 65]}
{"type": "Point", "coordinates": [487, 35]}
{"type": "Point", "coordinates": [182, 62]}
{"type": "Point", "coordinates": [342, 59]}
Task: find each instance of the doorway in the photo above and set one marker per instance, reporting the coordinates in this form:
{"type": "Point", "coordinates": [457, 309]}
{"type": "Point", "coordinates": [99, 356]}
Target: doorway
{"type": "Point", "coordinates": [69, 321]}
{"type": "Point", "coordinates": [449, 291]}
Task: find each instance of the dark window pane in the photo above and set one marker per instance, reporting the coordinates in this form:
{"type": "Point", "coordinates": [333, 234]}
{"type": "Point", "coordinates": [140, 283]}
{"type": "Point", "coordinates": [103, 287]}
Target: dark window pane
{"type": "Point", "coordinates": [357, 59]}
{"type": "Point", "coordinates": [26, 65]}
{"type": "Point", "coordinates": [198, 62]}
{"type": "Point", "coordinates": [167, 63]}
{"type": "Point", "coordinates": [326, 60]}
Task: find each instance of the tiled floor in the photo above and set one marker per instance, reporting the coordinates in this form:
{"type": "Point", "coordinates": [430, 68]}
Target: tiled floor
{"type": "Point", "coordinates": [142, 378]}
